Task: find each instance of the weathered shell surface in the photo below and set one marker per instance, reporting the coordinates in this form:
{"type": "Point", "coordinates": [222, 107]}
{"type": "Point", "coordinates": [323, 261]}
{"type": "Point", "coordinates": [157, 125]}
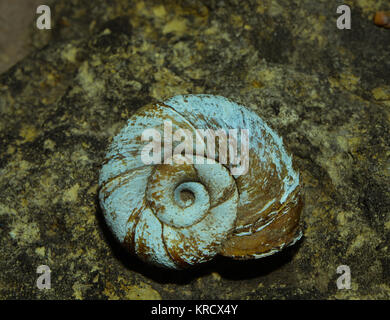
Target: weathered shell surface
{"type": "Point", "coordinates": [224, 212]}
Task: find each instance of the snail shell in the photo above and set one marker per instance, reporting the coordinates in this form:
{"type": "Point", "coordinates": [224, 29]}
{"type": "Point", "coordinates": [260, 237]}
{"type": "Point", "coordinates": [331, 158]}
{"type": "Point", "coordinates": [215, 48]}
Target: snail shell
{"type": "Point", "coordinates": [182, 209]}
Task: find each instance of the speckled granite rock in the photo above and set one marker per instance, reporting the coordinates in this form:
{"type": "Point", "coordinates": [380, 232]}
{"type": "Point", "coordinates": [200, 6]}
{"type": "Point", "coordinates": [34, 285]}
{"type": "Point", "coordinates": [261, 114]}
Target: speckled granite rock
{"type": "Point", "coordinates": [326, 91]}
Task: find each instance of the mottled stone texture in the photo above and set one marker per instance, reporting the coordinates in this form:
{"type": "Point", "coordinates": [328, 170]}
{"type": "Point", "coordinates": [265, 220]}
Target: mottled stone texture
{"type": "Point", "coordinates": [326, 91]}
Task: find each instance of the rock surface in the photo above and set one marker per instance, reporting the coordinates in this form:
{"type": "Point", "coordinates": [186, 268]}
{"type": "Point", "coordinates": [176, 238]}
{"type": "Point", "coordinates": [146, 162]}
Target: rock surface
{"type": "Point", "coordinates": [326, 91]}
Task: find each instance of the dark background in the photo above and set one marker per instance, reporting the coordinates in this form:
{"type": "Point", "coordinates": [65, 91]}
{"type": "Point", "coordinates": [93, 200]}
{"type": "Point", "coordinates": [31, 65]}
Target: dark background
{"type": "Point", "coordinates": [325, 91]}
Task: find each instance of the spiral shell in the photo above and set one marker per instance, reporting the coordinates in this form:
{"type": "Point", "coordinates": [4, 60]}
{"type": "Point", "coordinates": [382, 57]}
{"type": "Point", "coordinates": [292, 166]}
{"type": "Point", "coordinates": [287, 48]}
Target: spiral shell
{"type": "Point", "coordinates": [183, 208]}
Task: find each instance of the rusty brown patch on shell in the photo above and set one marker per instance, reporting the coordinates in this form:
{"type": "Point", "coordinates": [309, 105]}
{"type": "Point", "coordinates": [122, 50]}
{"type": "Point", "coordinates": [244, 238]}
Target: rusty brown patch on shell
{"type": "Point", "coordinates": [176, 253]}
{"type": "Point", "coordinates": [279, 233]}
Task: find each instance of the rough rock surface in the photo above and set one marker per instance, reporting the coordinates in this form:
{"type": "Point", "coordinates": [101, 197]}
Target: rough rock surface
{"type": "Point", "coordinates": [326, 91]}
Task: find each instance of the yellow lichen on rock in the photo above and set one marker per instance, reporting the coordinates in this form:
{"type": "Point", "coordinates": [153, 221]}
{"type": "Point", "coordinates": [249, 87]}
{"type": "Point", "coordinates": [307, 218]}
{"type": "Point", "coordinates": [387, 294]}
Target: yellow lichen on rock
{"type": "Point", "coordinates": [142, 293]}
{"type": "Point", "coordinates": [70, 53]}
{"type": "Point", "coordinates": [28, 133]}
{"type": "Point", "coordinates": [177, 26]}
{"type": "Point", "coordinates": [91, 85]}
{"type": "Point", "coordinates": [382, 94]}
{"type": "Point", "coordinates": [71, 194]}
{"type": "Point", "coordinates": [24, 231]}
{"type": "Point", "coordinates": [128, 290]}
